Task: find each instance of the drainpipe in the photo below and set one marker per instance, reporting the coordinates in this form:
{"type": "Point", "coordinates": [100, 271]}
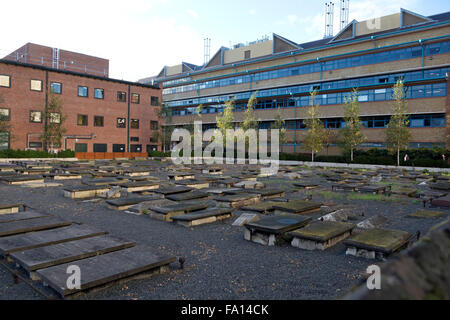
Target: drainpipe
{"type": "Point", "coordinates": [374, 41]}
{"type": "Point", "coordinates": [321, 68]}
{"type": "Point", "coordinates": [423, 53]}
{"type": "Point", "coordinates": [295, 130]}
{"type": "Point", "coordinates": [128, 126]}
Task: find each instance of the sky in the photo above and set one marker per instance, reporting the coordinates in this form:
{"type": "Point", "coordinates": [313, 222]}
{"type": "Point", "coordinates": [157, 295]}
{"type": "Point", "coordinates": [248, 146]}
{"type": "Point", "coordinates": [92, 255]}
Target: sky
{"type": "Point", "coordinates": [140, 37]}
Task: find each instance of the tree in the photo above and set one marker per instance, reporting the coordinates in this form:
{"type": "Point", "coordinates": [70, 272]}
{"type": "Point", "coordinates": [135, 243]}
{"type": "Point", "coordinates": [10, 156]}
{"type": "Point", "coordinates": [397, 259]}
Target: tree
{"type": "Point", "coordinates": [279, 124]}
{"type": "Point", "coordinates": [54, 119]}
{"type": "Point", "coordinates": [250, 121]}
{"type": "Point", "coordinates": [5, 127]}
{"type": "Point", "coordinates": [226, 119]}
{"type": "Point", "coordinates": [351, 132]}
{"type": "Point", "coordinates": [166, 128]}
{"type": "Point", "coordinates": [397, 133]}
{"type": "Point", "coordinates": [316, 134]}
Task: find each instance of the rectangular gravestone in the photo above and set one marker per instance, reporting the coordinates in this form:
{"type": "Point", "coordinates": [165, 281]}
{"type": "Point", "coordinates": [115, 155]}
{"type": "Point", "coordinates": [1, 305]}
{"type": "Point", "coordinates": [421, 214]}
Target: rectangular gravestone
{"type": "Point", "coordinates": [196, 184]}
{"type": "Point", "coordinates": [269, 193]}
{"type": "Point", "coordinates": [24, 215]}
{"type": "Point", "coordinates": [84, 192]}
{"type": "Point", "coordinates": [23, 226]}
{"type": "Point", "coordinates": [321, 235]}
{"type": "Point", "coordinates": [297, 207]}
{"type": "Point", "coordinates": [306, 185]}
{"type": "Point", "coordinates": [176, 176]}
{"type": "Point", "coordinates": [140, 186]}
{"type": "Point", "coordinates": [266, 207]}
{"type": "Point", "coordinates": [107, 268]}
{"type": "Point", "coordinates": [202, 217]}
{"type": "Point", "coordinates": [125, 203]}
{"type": "Point", "coordinates": [65, 252]}
{"type": "Point", "coordinates": [165, 213]}
{"type": "Point", "coordinates": [377, 243]}
{"type": "Point", "coordinates": [38, 239]}
{"type": "Point", "coordinates": [427, 214]}
{"type": "Point", "coordinates": [166, 190]}
{"type": "Point", "coordinates": [244, 219]}
{"type": "Point", "coordinates": [237, 200]}
{"type": "Point", "coordinates": [268, 230]}
{"type": "Point", "coordinates": [443, 202]}
{"type": "Point", "coordinates": [18, 180]}
{"type": "Point", "coordinates": [186, 196]}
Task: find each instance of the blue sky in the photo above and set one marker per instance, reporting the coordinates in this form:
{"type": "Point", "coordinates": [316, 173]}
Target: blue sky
{"type": "Point", "coordinates": [141, 36]}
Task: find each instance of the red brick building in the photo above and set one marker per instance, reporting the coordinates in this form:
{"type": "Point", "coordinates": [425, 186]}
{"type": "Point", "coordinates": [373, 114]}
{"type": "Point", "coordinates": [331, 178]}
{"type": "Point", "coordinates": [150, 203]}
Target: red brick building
{"type": "Point", "coordinates": [102, 114]}
{"type": "Point", "coordinates": [60, 59]}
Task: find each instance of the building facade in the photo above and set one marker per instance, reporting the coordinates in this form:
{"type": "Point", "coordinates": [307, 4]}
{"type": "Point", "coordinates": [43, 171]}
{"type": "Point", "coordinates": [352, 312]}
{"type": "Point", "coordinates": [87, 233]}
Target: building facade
{"type": "Point", "coordinates": [370, 56]}
{"type": "Point", "coordinates": [101, 114]}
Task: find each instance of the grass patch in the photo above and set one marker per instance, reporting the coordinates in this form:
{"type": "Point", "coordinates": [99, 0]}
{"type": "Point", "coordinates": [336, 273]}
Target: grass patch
{"type": "Point", "coordinates": [372, 197]}
{"type": "Point", "coordinates": [328, 195]}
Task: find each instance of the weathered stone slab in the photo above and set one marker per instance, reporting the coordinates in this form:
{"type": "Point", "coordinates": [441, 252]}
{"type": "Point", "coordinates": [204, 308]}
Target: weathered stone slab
{"type": "Point", "coordinates": [269, 193]}
{"type": "Point", "coordinates": [427, 214]}
{"type": "Point", "coordinates": [244, 219]}
{"type": "Point", "coordinates": [306, 185]}
{"type": "Point", "coordinates": [56, 254]}
{"type": "Point", "coordinates": [106, 268]}
{"type": "Point", "coordinates": [237, 200]}
{"type": "Point", "coordinates": [441, 202]}
{"type": "Point", "coordinates": [196, 184]}
{"type": "Point", "coordinates": [165, 213]}
{"type": "Point", "coordinates": [376, 243]}
{"type": "Point", "coordinates": [165, 190]}
{"type": "Point", "coordinates": [266, 207]}
{"type": "Point", "coordinates": [18, 180]}
{"type": "Point", "coordinates": [186, 196]}
{"type": "Point", "coordinates": [86, 191]}
{"type": "Point", "coordinates": [297, 207]}
{"type": "Point", "coordinates": [321, 235]}
{"type": "Point", "coordinates": [202, 217]}
{"type": "Point", "coordinates": [249, 185]}
{"type": "Point", "coordinates": [24, 215]}
{"type": "Point", "coordinates": [8, 209]}
{"type": "Point", "coordinates": [373, 222]}
{"type": "Point", "coordinates": [444, 186]}
{"type": "Point", "coordinates": [140, 186]}
{"type": "Point", "coordinates": [125, 203]}
{"type": "Point", "coordinates": [176, 176]}
{"type": "Point", "coordinates": [23, 226]}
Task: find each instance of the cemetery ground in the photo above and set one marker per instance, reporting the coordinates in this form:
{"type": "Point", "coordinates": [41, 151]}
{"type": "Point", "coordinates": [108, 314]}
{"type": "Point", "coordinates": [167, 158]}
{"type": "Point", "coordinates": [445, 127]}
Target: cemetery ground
{"type": "Point", "coordinates": [220, 261]}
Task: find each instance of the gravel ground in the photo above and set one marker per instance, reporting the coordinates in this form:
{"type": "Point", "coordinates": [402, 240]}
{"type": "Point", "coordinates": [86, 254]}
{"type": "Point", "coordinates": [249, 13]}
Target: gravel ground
{"type": "Point", "coordinates": [220, 264]}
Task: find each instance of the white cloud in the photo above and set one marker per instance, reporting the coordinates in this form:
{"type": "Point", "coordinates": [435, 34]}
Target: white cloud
{"type": "Point", "coordinates": [252, 12]}
{"type": "Point", "coordinates": [193, 14]}
{"type": "Point", "coordinates": [292, 19]}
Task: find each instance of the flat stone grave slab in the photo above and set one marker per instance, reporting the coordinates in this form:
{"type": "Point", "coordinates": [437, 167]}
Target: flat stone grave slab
{"type": "Point", "coordinates": [237, 200]}
{"type": "Point", "coordinates": [39, 239]}
{"type": "Point", "coordinates": [427, 214]}
{"type": "Point", "coordinates": [18, 180]}
{"type": "Point", "coordinates": [136, 172]}
{"type": "Point", "coordinates": [377, 243]}
{"type": "Point", "coordinates": [345, 186]}
{"type": "Point", "coordinates": [107, 268]}
{"type": "Point", "coordinates": [124, 203]}
{"type": "Point", "coordinates": [203, 217]}
{"type": "Point", "coordinates": [321, 235]}
{"type": "Point", "coordinates": [176, 176]}
{"type": "Point", "coordinates": [297, 207]}
{"type": "Point", "coordinates": [196, 184]}
{"type": "Point", "coordinates": [432, 194]}
{"type": "Point", "coordinates": [266, 207]}
{"type": "Point", "coordinates": [267, 231]}
{"type": "Point", "coordinates": [444, 186]}
{"type": "Point", "coordinates": [85, 191]}
{"type": "Point", "coordinates": [226, 183]}
{"type": "Point", "coordinates": [23, 215]}
{"type": "Point", "coordinates": [249, 185]}
{"type": "Point", "coordinates": [168, 190]}
{"type": "Point", "coordinates": [306, 185]}
{"type": "Point", "coordinates": [374, 189]}
{"type": "Point", "coordinates": [186, 196]}
{"type": "Point", "coordinates": [56, 254]}
{"type": "Point", "coordinates": [212, 170]}
{"type": "Point", "coordinates": [443, 202]}
{"type": "Point", "coordinates": [165, 213]}
{"type": "Point", "coordinates": [269, 193]}
{"type": "Point", "coordinates": [99, 181]}
{"type": "Point", "coordinates": [23, 226]}
{"type": "Point", "coordinates": [41, 185]}
{"type": "Point", "coordinates": [245, 218]}
{"type": "Point", "coordinates": [404, 191]}
{"type": "Point", "coordinates": [219, 191]}
{"type": "Point", "coordinates": [63, 176]}
{"type": "Point", "coordinates": [10, 208]}
{"type": "Point", "coordinates": [140, 186]}
{"type": "Point", "coordinates": [143, 207]}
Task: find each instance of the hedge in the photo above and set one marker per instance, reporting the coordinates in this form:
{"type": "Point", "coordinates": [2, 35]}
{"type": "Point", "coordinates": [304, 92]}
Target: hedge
{"type": "Point", "coordinates": [32, 154]}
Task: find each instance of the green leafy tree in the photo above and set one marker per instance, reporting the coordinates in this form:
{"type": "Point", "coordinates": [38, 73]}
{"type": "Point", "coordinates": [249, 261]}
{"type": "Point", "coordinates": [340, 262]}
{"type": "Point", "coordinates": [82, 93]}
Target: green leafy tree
{"type": "Point", "coordinates": [250, 121]}
{"type": "Point", "coordinates": [397, 133]}
{"type": "Point", "coordinates": [279, 124]}
{"type": "Point", "coordinates": [55, 119]}
{"type": "Point", "coordinates": [316, 134]}
{"type": "Point", "coordinates": [225, 120]}
{"type": "Point", "coordinates": [351, 135]}
{"type": "Point", "coordinates": [166, 128]}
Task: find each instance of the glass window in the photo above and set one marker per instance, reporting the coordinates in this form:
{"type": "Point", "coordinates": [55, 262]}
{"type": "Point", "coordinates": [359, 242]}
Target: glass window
{"type": "Point", "coordinates": [4, 140]}
{"type": "Point", "coordinates": [118, 148]}
{"type": "Point", "coordinates": [55, 117]}
{"type": "Point", "coordinates": [100, 147]}
{"type": "Point", "coordinates": [4, 114]}
{"type": "Point", "coordinates": [154, 125]}
{"type": "Point", "coordinates": [98, 121]}
{"type": "Point", "coordinates": [80, 147]}
{"type": "Point", "coordinates": [134, 124]}
{"type": "Point", "coordinates": [134, 139]}
{"type": "Point", "coordinates": [154, 101]}
{"type": "Point", "coordinates": [82, 120]}
{"type": "Point", "coordinates": [36, 116]}
{"type": "Point", "coordinates": [56, 87]}
{"type": "Point", "coordinates": [99, 93]}
{"type": "Point", "coordinates": [121, 96]}
{"type": "Point", "coordinates": [35, 144]}
{"type": "Point", "coordinates": [5, 81]}
{"type": "Point", "coordinates": [417, 123]}
{"type": "Point", "coordinates": [83, 91]}
{"type": "Point", "coordinates": [135, 98]}
{"type": "Point", "coordinates": [121, 123]}
{"type": "Point", "coordinates": [36, 85]}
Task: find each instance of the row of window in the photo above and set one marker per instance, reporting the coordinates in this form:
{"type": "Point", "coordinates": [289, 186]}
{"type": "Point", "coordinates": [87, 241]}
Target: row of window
{"type": "Point", "coordinates": [385, 80]}
{"type": "Point", "coordinates": [103, 147]}
{"type": "Point", "coordinates": [367, 59]}
{"type": "Point", "coordinates": [82, 119]}
{"type": "Point", "coordinates": [385, 94]}
{"type": "Point", "coordinates": [412, 145]}
{"type": "Point", "coordinates": [83, 91]}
